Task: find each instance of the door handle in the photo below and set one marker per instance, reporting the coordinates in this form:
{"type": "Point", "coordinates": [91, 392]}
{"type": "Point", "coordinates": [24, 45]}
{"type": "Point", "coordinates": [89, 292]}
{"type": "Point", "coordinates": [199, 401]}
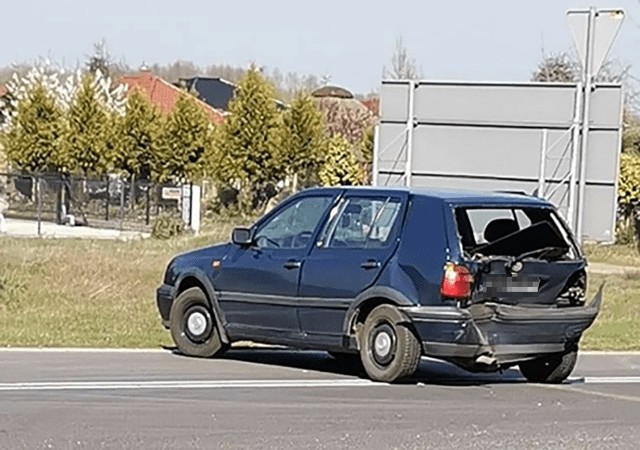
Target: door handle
{"type": "Point", "coordinates": [370, 264]}
{"type": "Point", "coordinates": [292, 264]}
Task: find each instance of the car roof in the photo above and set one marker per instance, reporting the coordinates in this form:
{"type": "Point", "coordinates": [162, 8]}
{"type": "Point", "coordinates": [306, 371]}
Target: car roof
{"type": "Point", "coordinates": [457, 197]}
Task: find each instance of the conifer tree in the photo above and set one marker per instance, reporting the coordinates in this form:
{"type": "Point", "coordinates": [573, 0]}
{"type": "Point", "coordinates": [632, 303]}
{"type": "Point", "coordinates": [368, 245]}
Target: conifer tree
{"type": "Point", "coordinates": [341, 167]}
{"type": "Point", "coordinates": [32, 142]}
{"type": "Point", "coordinates": [302, 141]}
{"type": "Point", "coordinates": [137, 138]}
{"type": "Point", "coordinates": [187, 141]}
{"type": "Point", "coordinates": [84, 143]}
{"type": "Point", "coordinates": [366, 152]}
{"type": "Point", "coordinates": [247, 140]}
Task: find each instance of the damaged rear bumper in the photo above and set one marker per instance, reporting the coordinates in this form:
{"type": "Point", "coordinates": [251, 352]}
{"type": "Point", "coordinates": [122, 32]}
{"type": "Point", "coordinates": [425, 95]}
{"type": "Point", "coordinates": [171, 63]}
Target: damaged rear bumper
{"type": "Point", "coordinates": [496, 335]}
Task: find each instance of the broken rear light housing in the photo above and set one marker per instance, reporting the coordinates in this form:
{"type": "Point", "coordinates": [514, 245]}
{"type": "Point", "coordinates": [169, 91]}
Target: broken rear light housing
{"type": "Point", "coordinates": [457, 281]}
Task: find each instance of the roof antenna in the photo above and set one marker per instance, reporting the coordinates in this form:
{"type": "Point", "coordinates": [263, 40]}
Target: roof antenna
{"type": "Point", "coordinates": [325, 79]}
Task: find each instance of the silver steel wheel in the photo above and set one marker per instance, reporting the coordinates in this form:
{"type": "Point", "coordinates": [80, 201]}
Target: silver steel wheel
{"type": "Point", "coordinates": [198, 324]}
{"type": "Point", "coordinates": [383, 342]}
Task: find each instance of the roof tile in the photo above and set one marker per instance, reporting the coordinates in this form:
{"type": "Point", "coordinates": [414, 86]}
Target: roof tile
{"type": "Point", "coordinates": [164, 95]}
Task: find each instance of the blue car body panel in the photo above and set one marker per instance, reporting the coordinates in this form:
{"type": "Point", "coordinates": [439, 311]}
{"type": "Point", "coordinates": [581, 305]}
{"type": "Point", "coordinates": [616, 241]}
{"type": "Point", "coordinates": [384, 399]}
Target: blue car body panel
{"type": "Point", "coordinates": [310, 296]}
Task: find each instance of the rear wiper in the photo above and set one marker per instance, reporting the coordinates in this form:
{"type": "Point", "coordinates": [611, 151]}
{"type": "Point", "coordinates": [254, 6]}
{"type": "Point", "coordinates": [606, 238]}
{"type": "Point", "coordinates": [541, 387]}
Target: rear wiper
{"type": "Point", "coordinates": [540, 252]}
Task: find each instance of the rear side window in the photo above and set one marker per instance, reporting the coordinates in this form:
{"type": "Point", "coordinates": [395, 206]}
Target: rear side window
{"type": "Point", "coordinates": [361, 222]}
{"type": "Point", "coordinates": [511, 231]}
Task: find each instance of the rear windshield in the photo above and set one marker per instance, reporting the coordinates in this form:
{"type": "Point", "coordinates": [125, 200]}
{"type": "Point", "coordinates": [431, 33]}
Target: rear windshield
{"type": "Point", "coordinates": [513, 231]}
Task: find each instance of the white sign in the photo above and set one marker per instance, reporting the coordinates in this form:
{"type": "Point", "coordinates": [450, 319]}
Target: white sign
{"type": "Point", "coordinates": [606, 25]}
{"type": "Point", "coordinates": [171, 193]}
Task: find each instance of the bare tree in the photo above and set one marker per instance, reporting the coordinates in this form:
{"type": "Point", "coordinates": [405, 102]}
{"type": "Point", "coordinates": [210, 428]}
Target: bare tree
{"type": "Point", "coordinates": [557, 68]}
{"type": "Point", "coordinates": [403, 66]}
{"type": "Point", "coordinates": [565, 68]}
{"type": "Point", "coordinates": [100, 60]}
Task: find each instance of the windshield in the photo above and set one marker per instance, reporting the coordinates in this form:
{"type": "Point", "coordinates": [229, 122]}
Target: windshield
{"type": "Point", "coordinates": [513, 231]}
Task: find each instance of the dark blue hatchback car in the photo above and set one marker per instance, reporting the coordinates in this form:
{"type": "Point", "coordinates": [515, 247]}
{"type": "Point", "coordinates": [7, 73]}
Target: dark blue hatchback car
{"type": "Point", "coordinates": [384, 276]}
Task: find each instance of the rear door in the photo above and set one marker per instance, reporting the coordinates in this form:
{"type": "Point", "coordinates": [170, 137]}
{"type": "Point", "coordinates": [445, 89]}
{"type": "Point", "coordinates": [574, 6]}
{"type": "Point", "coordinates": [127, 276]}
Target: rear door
{"type": "Point", "coordinates": [521, 255]}
{"type": "Point", "coordinates": [354, 245]}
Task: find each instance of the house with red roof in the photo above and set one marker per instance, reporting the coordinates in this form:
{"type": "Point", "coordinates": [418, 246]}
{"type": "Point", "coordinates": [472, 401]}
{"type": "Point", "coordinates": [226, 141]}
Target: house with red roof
{"type": "Point", "coordinates": [373, 105]}
{"type": "Point", "coordinates": [164, 95]}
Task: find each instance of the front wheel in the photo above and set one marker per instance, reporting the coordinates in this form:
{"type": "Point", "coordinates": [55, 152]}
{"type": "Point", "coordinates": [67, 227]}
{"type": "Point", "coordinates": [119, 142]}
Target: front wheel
{"type": "Point", "coordinates": [388, 349]}
{"type": "Point", "coordinates": [193, 326]}
{"type": "Point", "coordinates": [550, 369]}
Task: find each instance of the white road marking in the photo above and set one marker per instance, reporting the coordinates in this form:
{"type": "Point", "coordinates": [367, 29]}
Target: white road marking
{"type": "Point", "coordinates": [80, 350]}
{"type": "Point", "coordinates": [248, 345]}
{"type": "Point", "coordinates": [231, 384]}
{"type": "Point", "coordinates": [178, 384]}
{"type": "Point", "coordinates": [605, 380]}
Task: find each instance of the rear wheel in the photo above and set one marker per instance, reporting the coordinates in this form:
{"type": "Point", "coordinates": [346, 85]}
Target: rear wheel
{"type": "Point", "coordinates": [388, 349]}
{"type": "Point", "coordinates": [550, 369]}
{"type": "Point", "coordinates": [193, 326]}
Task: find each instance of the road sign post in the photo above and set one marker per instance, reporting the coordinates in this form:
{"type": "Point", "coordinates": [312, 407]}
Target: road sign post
{"type": "Point", "coordinates": [594, 31]}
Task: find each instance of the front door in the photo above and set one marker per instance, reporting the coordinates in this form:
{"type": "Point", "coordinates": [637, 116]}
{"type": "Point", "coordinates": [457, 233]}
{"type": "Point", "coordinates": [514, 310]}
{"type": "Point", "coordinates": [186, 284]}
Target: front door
{"type": "Point", "coordinates": [258, 286]}
{"type": "Point", "coordinates": [353, 247]}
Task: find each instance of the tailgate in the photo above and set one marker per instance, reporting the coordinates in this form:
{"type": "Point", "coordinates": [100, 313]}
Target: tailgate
{"type": "Point", "coordinates": [521, 255]}
{"type": "Point", "coordinates": [534, 283]}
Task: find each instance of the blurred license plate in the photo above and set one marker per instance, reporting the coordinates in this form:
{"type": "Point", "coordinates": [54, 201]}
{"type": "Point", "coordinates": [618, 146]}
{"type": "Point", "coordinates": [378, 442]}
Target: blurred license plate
{"type": "Point", "coordinates": [511, 285]}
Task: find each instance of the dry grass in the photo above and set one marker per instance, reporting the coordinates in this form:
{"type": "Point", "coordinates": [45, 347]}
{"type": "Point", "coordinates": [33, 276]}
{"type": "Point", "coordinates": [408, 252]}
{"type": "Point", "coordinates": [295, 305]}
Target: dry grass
{"type": "Point", "coordinates": [623, 255]}
{"type": "Point", "coordinates": [86, 293]}
{"type": "Point", "coordinates": [102, 293]}
{"type": "Point", "coordinates": [618, 325]}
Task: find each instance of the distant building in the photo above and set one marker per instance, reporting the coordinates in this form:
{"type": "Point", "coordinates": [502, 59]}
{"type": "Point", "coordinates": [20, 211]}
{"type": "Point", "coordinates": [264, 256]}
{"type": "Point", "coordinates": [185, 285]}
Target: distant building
{"type": "Point", "coordinates": [373, 104]}
{"type": "Point", "coordinates": [216, 92]}
{"type": "Point", "coordinates": [343, 113]}
{"type": "Point", "coordinates": [163, 94]}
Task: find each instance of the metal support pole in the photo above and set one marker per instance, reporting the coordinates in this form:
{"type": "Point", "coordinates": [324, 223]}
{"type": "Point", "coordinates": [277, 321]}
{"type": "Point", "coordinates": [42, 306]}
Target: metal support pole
{"type": "Point", "coordinates": [575, 143]}
{"type": "Point", "coordinates": [376, 155]}
{"type": "Point", "coordinates": [585, 122]}
{"type": "Point", "coordinates": [39, 200]}
{"type": "Point", "coordinates": [147, 208]}
{"type": "Point", "coordinates": [123, 186]}
{"type": "Point", "coordinates": [106, 202]}
{"type": "Point", "coordinates": [410, 123]}
{"type": "Point", "coordinates": [543, 161]}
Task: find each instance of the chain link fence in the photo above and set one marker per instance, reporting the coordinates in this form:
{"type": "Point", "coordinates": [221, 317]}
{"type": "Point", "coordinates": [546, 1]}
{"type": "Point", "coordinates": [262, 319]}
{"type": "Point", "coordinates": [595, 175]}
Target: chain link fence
{"type": "Point", "coordinates": [106, 202]}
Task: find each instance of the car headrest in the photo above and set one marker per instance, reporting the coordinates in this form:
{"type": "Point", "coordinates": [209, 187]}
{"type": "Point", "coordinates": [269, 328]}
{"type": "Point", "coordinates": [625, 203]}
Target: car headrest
{"type": "Point", "coordinates": [499, 228]}
{"type": "Point", "coordinates": [353, 208]}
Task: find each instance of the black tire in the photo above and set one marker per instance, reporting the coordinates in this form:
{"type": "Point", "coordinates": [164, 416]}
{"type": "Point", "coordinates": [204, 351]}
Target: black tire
{"type": "Point", "coordinates": [193, 303]}
{"type": "Point", "coordinates": [403, 355]}
{"type": "Point", "coordinates": [550, 369]}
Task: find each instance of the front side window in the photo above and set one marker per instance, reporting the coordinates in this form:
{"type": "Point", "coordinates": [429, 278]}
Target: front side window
{"type": "Point", "coordinates": [294, 225]}
{"type": "Point", "coordinates": [361, 222]}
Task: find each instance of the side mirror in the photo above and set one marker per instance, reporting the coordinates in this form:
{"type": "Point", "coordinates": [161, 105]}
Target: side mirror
{"type": "Point", "coordinates": [241, 236]}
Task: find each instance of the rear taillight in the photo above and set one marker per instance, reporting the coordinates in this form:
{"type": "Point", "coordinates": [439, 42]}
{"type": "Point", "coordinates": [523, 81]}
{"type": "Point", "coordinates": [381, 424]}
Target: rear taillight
{"type": "Point", "coordinates": [456, 282]}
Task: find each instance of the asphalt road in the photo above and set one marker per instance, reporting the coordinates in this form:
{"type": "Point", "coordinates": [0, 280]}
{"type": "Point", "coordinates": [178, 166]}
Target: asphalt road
{"type": "Point", "coordinates": [264, 399]}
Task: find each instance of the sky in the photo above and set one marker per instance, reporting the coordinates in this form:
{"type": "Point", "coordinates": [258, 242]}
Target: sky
{"type": "Point", "coordinates": [350, 40]}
